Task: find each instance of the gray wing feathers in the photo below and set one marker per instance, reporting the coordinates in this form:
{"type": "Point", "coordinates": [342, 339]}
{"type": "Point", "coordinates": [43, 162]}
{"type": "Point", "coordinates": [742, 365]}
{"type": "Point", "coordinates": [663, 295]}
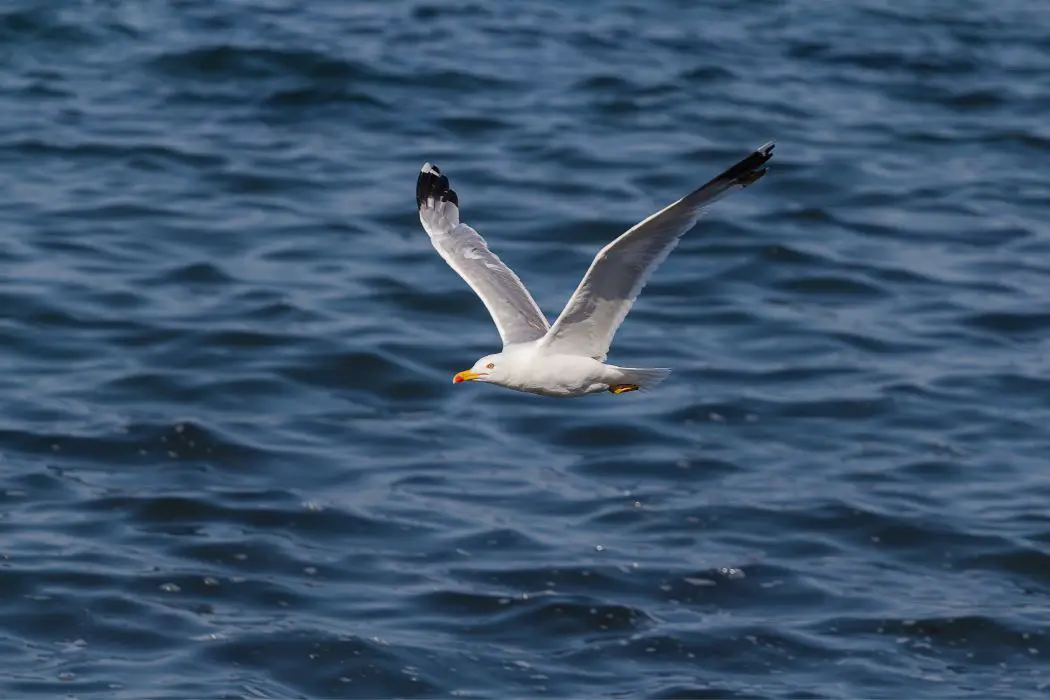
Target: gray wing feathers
{"type": "Point", "coordinates": [516, 315]}
{"type": "Point", "coordinates": [620, 270]}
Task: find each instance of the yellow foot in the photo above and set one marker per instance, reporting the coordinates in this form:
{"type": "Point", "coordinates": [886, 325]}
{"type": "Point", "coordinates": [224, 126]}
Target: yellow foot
{"type": "Point", "coordinates": [622, 388]}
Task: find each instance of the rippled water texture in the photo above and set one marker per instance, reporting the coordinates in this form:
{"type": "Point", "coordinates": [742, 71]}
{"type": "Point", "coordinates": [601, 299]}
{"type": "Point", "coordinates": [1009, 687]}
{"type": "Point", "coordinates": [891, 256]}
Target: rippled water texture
{"type": "Point", "coordinates": [233, 463]}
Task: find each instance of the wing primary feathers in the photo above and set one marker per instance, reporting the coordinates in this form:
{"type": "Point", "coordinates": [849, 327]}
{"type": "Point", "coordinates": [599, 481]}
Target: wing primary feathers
{"type": "Point", "coordinates": [431, 184]}
{"type": "Point", "coordinates": [747, 171]}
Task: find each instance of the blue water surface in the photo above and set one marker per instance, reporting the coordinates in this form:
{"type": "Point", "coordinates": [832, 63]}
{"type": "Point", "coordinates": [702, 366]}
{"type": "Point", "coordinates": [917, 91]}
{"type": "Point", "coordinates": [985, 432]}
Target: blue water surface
{"type": "Point", "coordinates": [233, 463]}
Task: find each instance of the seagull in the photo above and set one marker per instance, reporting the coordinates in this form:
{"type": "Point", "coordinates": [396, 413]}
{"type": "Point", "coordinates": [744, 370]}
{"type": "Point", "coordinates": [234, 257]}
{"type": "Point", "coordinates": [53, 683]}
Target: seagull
{"type": "Point", "coordinates": [567, 359]}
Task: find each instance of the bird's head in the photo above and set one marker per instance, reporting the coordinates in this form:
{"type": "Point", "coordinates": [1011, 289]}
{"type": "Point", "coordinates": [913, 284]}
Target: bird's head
{"type": "Point", "coordinates": [491, 368]}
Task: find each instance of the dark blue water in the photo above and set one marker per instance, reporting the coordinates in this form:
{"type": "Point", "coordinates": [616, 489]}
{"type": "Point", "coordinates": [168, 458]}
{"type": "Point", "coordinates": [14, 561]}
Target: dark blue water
{"type": "Point", "coordinates": [233, 463]}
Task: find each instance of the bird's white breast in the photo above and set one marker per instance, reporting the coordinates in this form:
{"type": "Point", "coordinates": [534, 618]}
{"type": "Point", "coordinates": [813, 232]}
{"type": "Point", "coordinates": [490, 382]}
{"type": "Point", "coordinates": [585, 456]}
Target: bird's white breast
{"type": "Point", "coordinates": [556, 375]}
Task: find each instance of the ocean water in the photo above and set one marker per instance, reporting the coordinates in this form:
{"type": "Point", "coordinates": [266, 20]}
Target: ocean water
{"type": "Point", "coordinates": [233, 463]}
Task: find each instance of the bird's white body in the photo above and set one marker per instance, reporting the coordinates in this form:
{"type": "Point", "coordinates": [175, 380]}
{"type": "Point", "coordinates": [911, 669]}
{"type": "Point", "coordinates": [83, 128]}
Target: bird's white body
{"type": "Point", "coordinates": [531, 368]}
{"type": "Point", "coordinates": [567, 358]}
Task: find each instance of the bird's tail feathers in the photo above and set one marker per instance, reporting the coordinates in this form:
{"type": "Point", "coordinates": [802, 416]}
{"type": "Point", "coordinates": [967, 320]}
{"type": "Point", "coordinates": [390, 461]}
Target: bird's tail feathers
{"type": "Point", "coordinates": [644, 377]}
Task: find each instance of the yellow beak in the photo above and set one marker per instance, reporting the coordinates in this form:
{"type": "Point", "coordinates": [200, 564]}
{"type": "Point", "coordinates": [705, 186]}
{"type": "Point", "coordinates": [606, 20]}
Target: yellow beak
{"type": "Point", "coordinates": [466, 376]}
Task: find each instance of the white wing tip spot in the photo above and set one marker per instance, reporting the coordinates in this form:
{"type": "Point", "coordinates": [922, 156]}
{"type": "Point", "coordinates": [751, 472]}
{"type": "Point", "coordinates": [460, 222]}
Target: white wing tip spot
{"type": "Point", "coordinates": [428, 168]}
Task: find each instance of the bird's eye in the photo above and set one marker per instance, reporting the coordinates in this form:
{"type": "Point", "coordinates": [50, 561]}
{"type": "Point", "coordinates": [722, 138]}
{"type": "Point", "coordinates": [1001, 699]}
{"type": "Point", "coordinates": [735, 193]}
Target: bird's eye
{"type": "Point", "coordinates": [490, 365]}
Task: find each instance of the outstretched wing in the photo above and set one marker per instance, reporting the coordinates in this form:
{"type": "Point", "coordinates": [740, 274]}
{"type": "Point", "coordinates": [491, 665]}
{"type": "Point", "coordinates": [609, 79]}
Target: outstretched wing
{"type": "Point", "coordinates": [515, 313]}
{"type": "Point", "coordinates": [598, 306]}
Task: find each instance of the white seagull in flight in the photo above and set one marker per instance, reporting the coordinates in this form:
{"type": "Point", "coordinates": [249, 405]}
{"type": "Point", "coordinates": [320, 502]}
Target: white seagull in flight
{"type": "Point", "coordinates": [568, 358]}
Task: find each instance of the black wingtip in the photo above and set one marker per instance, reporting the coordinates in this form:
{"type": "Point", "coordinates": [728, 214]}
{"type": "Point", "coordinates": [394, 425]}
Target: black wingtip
{"type": "Point", "coordinates": [750, 169]}
{"type": "Point", "coordinates": [431, 184]}
{"type": "Point", "coordinates": [744, 173]}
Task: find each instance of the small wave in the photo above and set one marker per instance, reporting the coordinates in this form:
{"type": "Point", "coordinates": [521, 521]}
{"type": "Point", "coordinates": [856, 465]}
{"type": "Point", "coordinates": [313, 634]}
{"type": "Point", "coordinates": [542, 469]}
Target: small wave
{"type": "Point", "coordinates": [225, 61]}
